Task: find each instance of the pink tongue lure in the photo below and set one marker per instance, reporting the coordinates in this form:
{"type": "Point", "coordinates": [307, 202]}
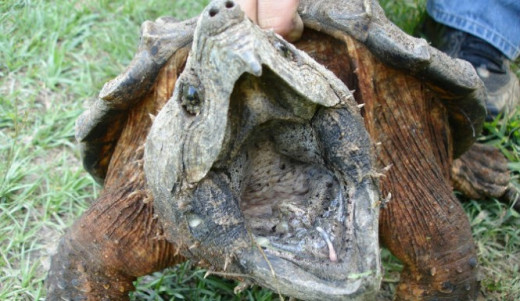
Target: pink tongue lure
{"type": "Point", "coordinates": [332, 253]}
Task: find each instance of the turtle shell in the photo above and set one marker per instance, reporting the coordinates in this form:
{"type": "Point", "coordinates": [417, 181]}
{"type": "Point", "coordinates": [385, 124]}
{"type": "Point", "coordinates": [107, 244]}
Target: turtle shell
{"type": "Point", "coordinates": [195, 189]}
{"type": "Point", "coordinates": [98, 129]}
{"type": "Point", "coordinates": [455, 81]}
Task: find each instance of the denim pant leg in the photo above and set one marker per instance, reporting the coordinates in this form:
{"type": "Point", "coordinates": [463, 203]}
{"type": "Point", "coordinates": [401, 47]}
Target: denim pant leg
{"type": "Point", "coordinates": [495, 21]}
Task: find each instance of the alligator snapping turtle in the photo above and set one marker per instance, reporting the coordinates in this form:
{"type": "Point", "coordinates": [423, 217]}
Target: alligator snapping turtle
{"type": "Point", "coordinates": [257, 162]}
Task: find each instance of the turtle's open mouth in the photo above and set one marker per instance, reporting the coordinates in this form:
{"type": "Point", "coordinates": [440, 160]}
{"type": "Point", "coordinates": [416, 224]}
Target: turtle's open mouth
{"type": "Point", "coordinates": [298, 178]}
{"type": "Point", "coordinates": [293, 208]}
{"type": "Point", "coordinates": [289, 200]}
{"type": "Point", "coordinates": [265, 165]}
{"type": "Point", "coordinates": [292, 204]}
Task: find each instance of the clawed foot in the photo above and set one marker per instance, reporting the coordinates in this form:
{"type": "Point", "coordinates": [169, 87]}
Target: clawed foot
{"type": "Point", "coordinates": [482, 173]}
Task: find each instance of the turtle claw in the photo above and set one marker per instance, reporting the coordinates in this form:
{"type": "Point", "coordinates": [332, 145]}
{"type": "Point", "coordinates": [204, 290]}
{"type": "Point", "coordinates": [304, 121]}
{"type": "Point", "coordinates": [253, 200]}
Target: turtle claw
{"type": "Point", "coordinates": [512, 196]}
{"type": "Point", "coordinates": [242, 286]}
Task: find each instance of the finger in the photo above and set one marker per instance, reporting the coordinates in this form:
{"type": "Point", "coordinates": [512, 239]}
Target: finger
{"type": "Point", "coordinates": [297, 29]}
{"type": "Point", "coordinates": [281, 16]}
{"type": "Point", "coordinates": [250, 9]}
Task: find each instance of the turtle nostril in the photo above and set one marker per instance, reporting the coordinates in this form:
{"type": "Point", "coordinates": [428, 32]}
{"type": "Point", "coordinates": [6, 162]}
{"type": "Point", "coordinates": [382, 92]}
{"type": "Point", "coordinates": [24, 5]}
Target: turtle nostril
{"type": "Point", "coordinates": [213, 12]}
{"type": "Point", "coordinates": [230, 4]}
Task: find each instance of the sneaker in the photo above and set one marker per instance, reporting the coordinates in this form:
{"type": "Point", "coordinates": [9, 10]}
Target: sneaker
{"type": "Point", "coordinates": [491, 65]}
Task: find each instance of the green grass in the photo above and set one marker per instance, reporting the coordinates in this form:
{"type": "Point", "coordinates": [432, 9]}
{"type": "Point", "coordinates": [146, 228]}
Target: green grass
{"type": "Point", "coordinates": [54, 58]}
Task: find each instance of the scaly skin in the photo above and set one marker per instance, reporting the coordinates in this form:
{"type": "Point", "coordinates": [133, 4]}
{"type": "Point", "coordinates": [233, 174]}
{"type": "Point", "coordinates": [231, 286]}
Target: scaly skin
{"type": "Point", "coordinates": [423, 224]}
{"type": "Point", "coordinates": [119, 237]}
{"type": "Point", "coordinates": [112, 244]}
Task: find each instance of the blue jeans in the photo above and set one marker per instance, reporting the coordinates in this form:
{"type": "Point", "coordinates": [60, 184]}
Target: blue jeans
{"type": "Point", "coordinates": [495, 21]}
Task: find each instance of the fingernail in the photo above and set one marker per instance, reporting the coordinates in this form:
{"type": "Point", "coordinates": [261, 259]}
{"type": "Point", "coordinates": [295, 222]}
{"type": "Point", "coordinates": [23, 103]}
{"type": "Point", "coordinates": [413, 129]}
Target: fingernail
{"type": "Point", "coordinates": [297, 29]}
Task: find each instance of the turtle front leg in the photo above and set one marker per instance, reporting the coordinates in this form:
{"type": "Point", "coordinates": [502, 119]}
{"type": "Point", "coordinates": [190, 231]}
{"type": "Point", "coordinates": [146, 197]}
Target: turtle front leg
{"type": "Point", "coordinates": [427, 230]}
{"type": "Point", "coordinates": [119, 237]}
{"type": "Point", "coordinates": [423, 224]}
{"type": "Point", "coordinates": [115, 241]}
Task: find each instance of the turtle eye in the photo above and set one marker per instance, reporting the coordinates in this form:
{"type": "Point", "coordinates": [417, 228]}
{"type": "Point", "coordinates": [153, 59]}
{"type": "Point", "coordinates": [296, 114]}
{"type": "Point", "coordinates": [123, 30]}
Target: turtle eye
{"type": "Point", "coordinates": [283, 49]}
{"type": "Point", "coordinates": [191, 94]}
{"type": "Point", "coordinates": [191, 99]}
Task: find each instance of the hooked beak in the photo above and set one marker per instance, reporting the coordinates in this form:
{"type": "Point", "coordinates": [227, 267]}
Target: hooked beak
{"type": "Point", "coordinates": [251, 63]}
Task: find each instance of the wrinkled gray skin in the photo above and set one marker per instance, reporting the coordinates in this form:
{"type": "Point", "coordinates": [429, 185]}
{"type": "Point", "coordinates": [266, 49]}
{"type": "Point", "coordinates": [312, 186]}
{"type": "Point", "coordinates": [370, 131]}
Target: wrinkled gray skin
{"type": "Point", "coordinates": [249, 112]}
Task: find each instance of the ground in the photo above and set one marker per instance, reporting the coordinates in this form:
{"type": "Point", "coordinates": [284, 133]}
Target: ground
{"type": "Point", "coordinates": [54, 58]}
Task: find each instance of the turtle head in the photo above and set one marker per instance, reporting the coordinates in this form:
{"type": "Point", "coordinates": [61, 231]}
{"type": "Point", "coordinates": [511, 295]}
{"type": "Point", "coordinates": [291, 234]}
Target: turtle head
{"type": "Point", "coordinates": [260, 165]}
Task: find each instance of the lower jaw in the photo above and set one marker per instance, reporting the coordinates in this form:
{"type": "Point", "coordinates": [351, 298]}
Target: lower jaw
{"type": "Point", "coordinates": [317, 258]}
{"type": "Point", "coordinates": [353, 275]}
{"type": "Point", "coordinates": [342, 263]}
{"type": "Point", "coordinates": [287, 278]}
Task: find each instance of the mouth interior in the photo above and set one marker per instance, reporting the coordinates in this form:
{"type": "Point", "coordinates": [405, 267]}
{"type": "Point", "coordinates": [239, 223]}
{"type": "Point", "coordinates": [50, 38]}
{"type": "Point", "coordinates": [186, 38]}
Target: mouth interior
{"type": "Point", "coordinates": [292, 203]}
{"type": "Point", "coordinates": [291, 207]}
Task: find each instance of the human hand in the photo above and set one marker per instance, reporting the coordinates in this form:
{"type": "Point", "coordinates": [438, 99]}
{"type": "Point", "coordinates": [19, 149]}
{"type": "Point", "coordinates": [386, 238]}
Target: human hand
{"type": "Point", "coordinates": [279, 15]}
